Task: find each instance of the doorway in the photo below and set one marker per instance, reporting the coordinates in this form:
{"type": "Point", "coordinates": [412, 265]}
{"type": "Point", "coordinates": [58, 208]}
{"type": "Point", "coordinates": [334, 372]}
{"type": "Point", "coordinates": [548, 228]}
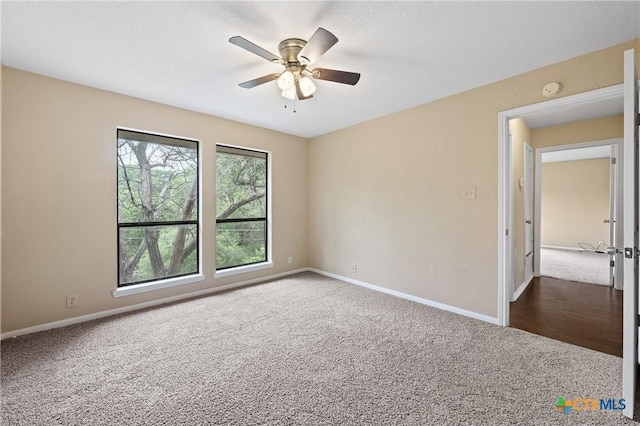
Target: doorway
{"type": "Point", "coordinates": [593, 104]}
{"type": "Point", "coordinates": [578, 187]}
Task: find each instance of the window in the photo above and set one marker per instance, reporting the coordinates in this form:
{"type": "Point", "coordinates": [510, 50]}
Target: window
{"type": "Point", "coordinates": [158, 229]}
{"type": "Point", "coordinates": [241, 207]}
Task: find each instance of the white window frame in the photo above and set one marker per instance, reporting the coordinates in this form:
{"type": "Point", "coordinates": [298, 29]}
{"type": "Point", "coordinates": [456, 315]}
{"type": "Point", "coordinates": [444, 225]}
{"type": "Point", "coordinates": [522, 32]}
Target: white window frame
{"type": "Point", "coordinates": [269, 262]}
{"type": "Point", "coordinates": [170, 281]}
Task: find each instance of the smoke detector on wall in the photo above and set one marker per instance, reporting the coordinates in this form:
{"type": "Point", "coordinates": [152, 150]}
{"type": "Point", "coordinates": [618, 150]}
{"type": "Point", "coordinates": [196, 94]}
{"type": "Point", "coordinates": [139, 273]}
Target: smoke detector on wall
{"type": "Point", "coordinates": [551, 89]}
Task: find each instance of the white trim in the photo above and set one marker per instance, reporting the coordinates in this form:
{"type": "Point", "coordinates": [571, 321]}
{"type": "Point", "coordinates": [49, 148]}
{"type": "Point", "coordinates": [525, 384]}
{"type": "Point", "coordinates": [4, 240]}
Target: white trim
{"type": "Point", "coordinates": [521, 289]}
{"type": "Point", "coordinates": [529, 209]}
{"type": "Point", "coordinates": [170, 282]}
{"type": "Point", "coordinates": [156, 285]}
{"type": "Point", "coordinates": [562, 248]}
{"type": "Point", "coordinates": [504, 160]}
{"type": "Point", "coordinates": [566, 102]}
{"type": "Point", "coordinates": [269, 243]}
{"type": "Point", "coordinates": [111, 312]}
{"type": "Point", "coordinates": [242, 269]}
{"type": "Point", "coordinates": [417, 299]}
{"type": "Point", "coordinates": [504, 209]}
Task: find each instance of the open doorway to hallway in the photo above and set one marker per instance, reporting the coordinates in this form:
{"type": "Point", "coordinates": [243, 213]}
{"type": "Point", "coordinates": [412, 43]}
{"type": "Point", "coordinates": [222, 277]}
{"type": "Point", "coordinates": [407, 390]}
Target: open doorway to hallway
{"type": "Point", "coordinates": [562, 308]}
{"type": "Point", "coordinates": [574, 205]}
{"type": "Point", "coordinates": [577, 204]}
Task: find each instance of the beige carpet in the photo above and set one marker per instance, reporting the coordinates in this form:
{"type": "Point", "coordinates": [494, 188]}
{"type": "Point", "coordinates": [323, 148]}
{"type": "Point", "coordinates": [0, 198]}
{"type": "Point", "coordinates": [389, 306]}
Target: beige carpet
{"type": "Point", "coordinates": [305, 350]}
{"type": "Point", "coordinates": [572, 265]}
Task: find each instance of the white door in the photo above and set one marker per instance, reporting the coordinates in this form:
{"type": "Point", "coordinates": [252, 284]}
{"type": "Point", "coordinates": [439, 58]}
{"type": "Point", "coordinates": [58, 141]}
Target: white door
{"type": "Point", "coordinates": [630, 230]}
{"type": "Point", "coordinates": [528, 212]}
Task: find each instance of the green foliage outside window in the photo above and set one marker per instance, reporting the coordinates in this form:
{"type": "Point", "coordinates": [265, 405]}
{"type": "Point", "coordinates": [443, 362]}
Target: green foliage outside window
{"type": "Point", "coordinates": [241, 207]}
{"type": "Point", "coordinates": [157, 207]}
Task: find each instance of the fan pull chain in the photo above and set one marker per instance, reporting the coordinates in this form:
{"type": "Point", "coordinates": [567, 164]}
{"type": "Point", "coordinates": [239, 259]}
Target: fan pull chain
{"type": "Point", "coordinates": [294, 104]}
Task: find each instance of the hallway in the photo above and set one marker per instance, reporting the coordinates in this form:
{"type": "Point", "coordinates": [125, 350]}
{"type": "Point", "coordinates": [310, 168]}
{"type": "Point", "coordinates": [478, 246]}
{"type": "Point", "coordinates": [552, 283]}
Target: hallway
{"type": "Point", "coordinates": [586, 315]}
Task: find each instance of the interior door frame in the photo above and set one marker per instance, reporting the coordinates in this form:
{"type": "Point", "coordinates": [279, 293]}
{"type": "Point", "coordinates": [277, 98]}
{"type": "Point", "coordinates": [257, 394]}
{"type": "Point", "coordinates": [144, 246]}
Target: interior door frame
{"type": "Point", "coordinates": [530, 186]}
{"type": "Point", "coordinates": [537, 243]}
{"type": "Point", "coordinates": [505, 257]}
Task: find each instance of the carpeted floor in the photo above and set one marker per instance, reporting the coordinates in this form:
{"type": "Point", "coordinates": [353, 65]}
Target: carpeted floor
{"type": "Point", "coordinates": [304, 350]}
{"type": "Point", "coordinates": [572, 265]}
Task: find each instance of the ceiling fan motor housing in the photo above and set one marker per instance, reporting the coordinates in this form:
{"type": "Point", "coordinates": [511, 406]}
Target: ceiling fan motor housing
{"type": "Point", "coordinates": [289, 50]}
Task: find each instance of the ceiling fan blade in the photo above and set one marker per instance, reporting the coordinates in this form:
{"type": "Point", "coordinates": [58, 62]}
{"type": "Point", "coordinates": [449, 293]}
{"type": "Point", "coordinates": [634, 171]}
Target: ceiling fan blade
{"type": "Point", "coordinates": [301, 96]}
{"type": "Point", "coordinates": [344, 77]}
{"type": "Point", "coordinates": [254, 48]}
{"type": "Point", "coordinates": [318, 44]}
{"type": "Point", "coordinates": [258, 81]}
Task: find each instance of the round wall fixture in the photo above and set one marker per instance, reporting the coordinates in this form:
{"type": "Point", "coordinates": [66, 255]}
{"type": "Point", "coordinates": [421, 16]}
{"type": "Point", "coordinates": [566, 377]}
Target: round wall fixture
{"type": "Point", "coordinates": [551, 89]}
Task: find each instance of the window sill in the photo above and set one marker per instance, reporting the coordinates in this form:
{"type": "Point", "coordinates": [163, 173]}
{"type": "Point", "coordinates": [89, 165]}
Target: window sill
{"type": "Point", "coordinates": [242, 269]}
{"type": "Point", "coordinates": [156, 285]}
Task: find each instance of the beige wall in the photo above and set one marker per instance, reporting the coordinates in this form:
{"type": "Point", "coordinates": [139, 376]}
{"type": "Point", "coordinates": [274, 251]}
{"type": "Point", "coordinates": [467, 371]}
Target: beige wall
{"type": "Point", "coordinates": [386, 194]}
{"type": "Point", "coordinates": [521, 135]}
{"type": "Point", "coordinates": [59, 193]}
{"type": "Point", "coordinates": [577, 132]}
{"type": "Point", "coordinates": [574, 202]}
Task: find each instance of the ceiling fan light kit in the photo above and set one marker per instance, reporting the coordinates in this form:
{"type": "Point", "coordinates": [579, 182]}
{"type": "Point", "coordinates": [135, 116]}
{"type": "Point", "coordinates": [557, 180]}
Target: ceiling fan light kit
{"type": "Point", "coordinates": [296, 55]}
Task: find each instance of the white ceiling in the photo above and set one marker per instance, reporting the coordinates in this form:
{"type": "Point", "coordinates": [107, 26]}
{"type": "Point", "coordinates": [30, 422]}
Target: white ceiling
{"type": "Point", "coordinates": [408, 53]}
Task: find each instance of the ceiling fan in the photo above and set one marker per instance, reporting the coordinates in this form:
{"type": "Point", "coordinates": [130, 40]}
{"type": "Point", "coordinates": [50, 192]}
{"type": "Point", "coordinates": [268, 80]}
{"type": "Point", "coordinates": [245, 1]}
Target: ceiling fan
{"type": "Point", "coordinates": [296, 55]}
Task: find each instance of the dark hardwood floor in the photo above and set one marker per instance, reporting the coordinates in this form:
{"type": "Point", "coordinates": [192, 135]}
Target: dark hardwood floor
{"type": "Point", "coordinates": [586, 315]}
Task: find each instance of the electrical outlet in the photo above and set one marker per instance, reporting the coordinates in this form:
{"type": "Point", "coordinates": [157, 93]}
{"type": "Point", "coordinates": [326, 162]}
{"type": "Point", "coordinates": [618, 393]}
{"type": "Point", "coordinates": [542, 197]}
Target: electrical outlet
{"type": "Point", "coordinates": [72, 300]}
{"type": "Point", "coordinates": [354, 267]}
{"type": "Point", "coordinates": [290, 260]}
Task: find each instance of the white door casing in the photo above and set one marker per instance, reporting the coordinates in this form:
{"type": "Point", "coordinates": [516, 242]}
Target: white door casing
{"type": "Point", "coordinates": [505, 202]}
{"type": "Point", "coordinates": [528, 212]}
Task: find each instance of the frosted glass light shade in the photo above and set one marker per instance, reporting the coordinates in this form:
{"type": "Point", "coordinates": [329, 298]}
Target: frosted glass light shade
{"type": "Point", "coordinates": [289, 93]}
{"type": "Point", "coordinates": [306, 86]}
{"type": "Point", "coordinates": [286, 81]}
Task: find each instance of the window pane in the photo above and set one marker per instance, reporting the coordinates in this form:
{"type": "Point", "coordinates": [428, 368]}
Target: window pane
{"type": "Point", "coordinates": [157, 182]}
{"type": "Point", "coordinates": [241, 186]}
{"type": "Point", "coordinates": [240, 243]}
{"type": "Point", "coordinates": [154, 252]}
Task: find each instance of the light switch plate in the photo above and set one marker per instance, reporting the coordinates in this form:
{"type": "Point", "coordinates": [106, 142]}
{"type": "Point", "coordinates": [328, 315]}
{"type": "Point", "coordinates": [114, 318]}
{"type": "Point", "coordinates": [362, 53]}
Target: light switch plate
{"type": "Point", "coordinates": [469, 193]}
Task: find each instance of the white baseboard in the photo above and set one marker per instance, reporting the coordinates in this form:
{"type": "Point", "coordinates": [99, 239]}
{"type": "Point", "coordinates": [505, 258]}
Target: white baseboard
{"type": "Point", "coordinates": [111, 312]}
{"type": "Point", "coordinates": [521, 289]}
{"type": "Point", "coordinates": [417, 299]}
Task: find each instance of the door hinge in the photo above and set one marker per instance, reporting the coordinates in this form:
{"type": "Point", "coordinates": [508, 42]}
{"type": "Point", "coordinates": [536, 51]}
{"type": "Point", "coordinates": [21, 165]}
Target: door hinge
{"type": "Point", "coordinates": [507, 232]}
{"type": "Point", "coordinates": [612, 263]}
{"type": "Point", "coordinates": [613, 160]}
